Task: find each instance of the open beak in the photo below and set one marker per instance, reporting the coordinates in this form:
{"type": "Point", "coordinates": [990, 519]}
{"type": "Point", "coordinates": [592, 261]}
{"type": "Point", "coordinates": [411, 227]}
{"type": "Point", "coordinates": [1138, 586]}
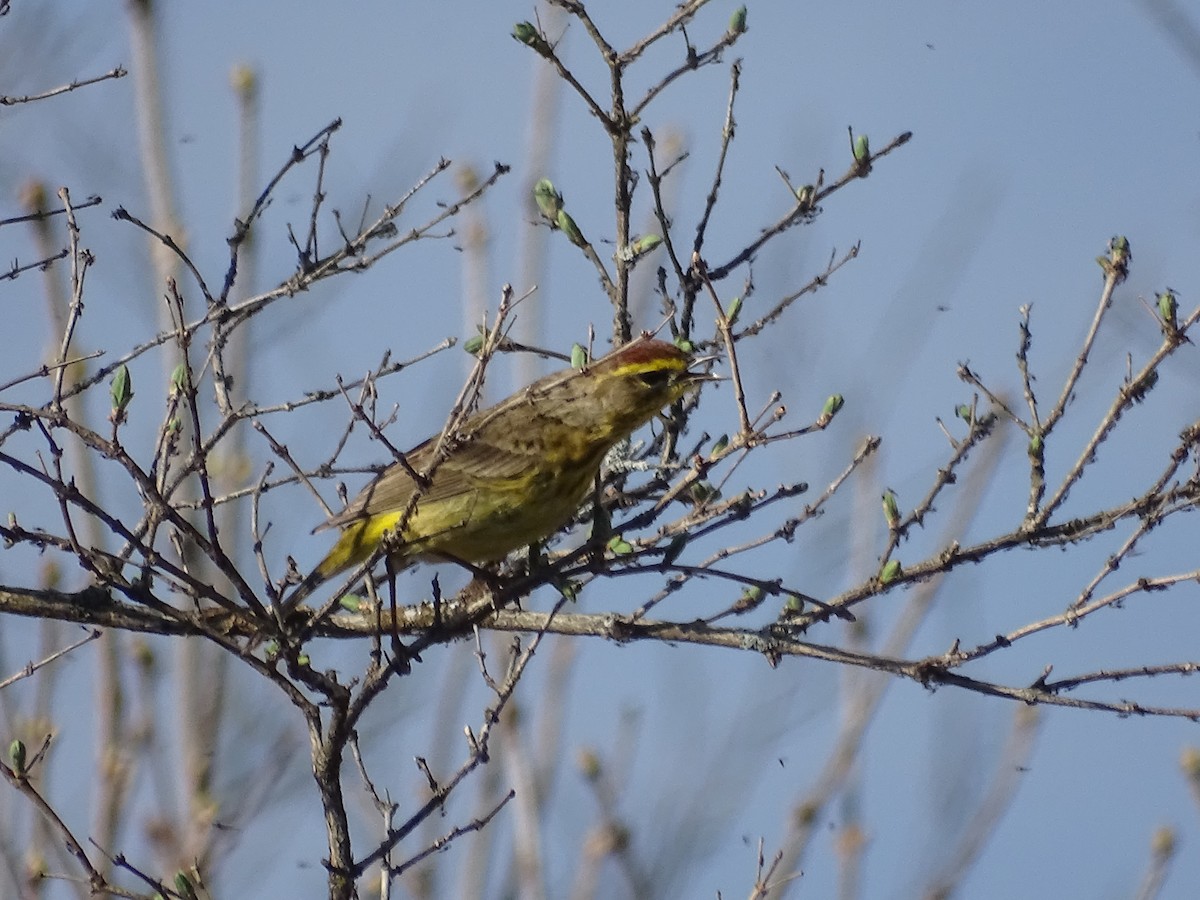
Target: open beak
{"type": "Point", "coordinates": [707, 375]}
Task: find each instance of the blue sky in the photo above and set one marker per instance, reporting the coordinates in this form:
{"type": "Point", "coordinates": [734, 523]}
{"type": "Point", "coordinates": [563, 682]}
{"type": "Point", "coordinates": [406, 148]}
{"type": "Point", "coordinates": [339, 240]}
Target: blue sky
{"type": "Point", "coordinates": [1040, 130]}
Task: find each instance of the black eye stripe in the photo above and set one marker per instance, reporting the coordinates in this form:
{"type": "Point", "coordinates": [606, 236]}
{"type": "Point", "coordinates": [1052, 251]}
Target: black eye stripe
{"type": "Point", "coordinates": [657, 378]}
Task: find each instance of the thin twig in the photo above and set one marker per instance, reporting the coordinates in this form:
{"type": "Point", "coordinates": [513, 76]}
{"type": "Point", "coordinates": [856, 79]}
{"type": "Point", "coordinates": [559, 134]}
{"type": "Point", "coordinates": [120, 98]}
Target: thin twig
{"type": "Point", "coordinates": [118, 72]}
{"type": "Point", "coordinates": [31, 667]}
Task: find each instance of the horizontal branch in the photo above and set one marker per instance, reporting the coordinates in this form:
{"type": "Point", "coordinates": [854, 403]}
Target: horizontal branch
{"type": "Point", "coordinates": [454, 619]}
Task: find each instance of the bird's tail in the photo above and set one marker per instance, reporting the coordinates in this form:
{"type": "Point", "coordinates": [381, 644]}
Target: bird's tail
{"type": "Point", "coordinates": [305, 588]}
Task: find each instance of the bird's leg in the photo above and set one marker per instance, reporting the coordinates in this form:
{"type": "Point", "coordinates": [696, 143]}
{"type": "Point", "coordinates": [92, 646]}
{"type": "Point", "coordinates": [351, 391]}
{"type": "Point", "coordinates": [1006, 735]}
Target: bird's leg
{"type": "Point", "coordinates": [435, 586]}
{"type": "Point", "coordinates": [402, 657]}
{"type": "Point", "coordinates": [487, 576]}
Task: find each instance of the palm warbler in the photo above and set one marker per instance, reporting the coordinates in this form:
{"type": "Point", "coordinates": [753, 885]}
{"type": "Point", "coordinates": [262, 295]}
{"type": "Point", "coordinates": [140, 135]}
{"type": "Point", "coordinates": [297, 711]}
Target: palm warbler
{"type": "Point", "coordinates": [514, 473]}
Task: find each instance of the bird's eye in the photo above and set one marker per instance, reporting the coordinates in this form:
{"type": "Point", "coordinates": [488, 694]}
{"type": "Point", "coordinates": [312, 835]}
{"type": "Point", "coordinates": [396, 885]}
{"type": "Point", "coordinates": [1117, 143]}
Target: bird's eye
{"type": "Point", "coordinates": [655, 378]}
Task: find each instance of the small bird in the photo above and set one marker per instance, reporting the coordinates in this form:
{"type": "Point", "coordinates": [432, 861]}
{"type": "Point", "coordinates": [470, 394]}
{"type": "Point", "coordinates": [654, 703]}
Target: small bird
{"type": "Point", "coordinates": [514, 473]}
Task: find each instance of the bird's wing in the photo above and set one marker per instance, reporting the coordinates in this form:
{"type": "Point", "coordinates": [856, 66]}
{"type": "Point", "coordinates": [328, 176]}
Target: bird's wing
{"type": "Point", "coordinates": [460, 473]}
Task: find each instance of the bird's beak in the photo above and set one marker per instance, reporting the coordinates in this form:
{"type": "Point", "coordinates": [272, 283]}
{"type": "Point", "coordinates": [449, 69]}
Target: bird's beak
{"type": "Point", "coordinates": [701, 377]}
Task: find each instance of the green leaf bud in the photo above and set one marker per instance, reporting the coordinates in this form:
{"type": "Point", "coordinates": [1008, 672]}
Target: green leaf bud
{"type": "Point", "coordinates": [179, 380]}
{"type": "Point", "coordinates": [564, 221]}
{"type": "Point", "coordinates": [526, 33]}
{"type": "Point", "coordinates": [17, 756]}
{"type": "Point", "coordinates": [674, 548]}
{"type": "Point", "coordinates": [737, 22]}
{"type": "Point", "coordinates": [183, 885]}
{"type": "Point", "coordinates": [891, 508]}
{"type": "Point", "coordinates": [121, 391]}
{"type": "Point", "coordinates": [549, 201]}
{"type": "Point", "coordinates": [735, 309]}
{"type": "Point", "coordinates": [1168, 309]}
{"type": "Point", "coordinates": [639, 247]}
{"type": "Point", "coordinates": [1116, 264]}
{"type": "Point", "coordinates": [752, 597]}
{"type": "Point", "coordinates": [833, 405]}
{"type": "Point", "coordinates": [618, 546]}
